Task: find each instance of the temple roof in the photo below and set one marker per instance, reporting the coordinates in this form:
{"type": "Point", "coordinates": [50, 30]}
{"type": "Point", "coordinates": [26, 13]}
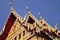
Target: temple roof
{"type": "Point", "coordinates": [14, 15]}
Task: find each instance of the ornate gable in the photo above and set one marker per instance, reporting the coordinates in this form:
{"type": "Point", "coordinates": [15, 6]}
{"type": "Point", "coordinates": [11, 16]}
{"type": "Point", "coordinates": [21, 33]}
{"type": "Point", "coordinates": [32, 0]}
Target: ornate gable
{"type": "Point", "coordinates": [8, 26]}
{"type": "Point", "coordinates": [11, 25]}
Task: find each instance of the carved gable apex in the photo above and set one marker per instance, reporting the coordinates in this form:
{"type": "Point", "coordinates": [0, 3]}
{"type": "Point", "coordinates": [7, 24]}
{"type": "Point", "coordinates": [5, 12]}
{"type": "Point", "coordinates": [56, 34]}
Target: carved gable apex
{"type": "Point", "coordinates": [31, 16]}
{"type": "Point", "coordinates": [17, 15]}
{"type": "Point", "coordinates": [16, 26]}
{"type": "Point", "coordinates": [9, 25]}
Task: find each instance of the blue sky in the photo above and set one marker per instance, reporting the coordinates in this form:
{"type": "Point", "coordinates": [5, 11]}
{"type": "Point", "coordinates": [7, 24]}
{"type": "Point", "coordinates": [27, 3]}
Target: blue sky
{"type": "Point", "coordinates": [49, 10]}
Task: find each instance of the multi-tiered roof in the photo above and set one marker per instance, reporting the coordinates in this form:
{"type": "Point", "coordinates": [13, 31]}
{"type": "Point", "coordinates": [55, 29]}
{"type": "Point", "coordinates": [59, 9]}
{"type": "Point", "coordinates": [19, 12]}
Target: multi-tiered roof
{"type": "Point", "coordinates": [31, 24]}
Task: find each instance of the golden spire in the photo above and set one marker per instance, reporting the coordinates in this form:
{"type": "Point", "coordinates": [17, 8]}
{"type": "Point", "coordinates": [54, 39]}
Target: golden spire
{"type": "Point", "coordinates": [11, 6]}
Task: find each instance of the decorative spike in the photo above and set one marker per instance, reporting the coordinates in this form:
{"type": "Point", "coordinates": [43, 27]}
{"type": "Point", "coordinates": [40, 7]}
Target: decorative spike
{"type": "Point", "coordinates": [28, 10]}
{"type": "Point", "coordinates": [41, 18]}
{"type": "Point", "coordinates": [11, 6]}
{"type": "Point", "coordinates": [40, 15]}
{"type": "Point", "coordinates": [24, 17]}
{"type": "Point", "coordinates": [56, 25]}
{"type": "Point", "coordinates": [27, 7]}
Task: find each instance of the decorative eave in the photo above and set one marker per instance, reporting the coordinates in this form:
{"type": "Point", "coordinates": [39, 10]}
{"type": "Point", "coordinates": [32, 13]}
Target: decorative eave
{"type": "Point", "coordinates": [49, 26]}
{"type": "Point", "coordinates": [51, 29]}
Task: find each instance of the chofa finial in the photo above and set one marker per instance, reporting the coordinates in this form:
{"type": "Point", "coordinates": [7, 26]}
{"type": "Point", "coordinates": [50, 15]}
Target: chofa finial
{"type": "Point", "coordinates": [11, 6]}
{"type": "Point", "coordinates": [28, 10]}
{"type": "Point", "coordinates": [56, 25]}
{"type": "Point", "coordinates": [39, 13]}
